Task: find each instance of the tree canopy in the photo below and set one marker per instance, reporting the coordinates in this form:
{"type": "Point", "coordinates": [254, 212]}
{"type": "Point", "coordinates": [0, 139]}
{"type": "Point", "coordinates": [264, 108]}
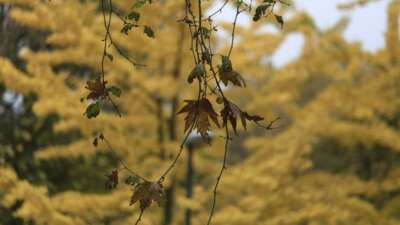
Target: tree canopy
{"type": "Point", "coordinates": [110, 92]}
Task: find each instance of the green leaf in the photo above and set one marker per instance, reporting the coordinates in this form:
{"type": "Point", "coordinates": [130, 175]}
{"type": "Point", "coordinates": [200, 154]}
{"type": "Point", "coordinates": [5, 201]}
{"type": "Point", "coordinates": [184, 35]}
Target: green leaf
{"type": "Point", "coordinates": [138, 4]}
{"type": "Point", "coordinates": [133, 15]}
{"type": "Point", "coordinates": [126, 28]}
{"type": "Point", "coordinates": [260, 11]}
{"type": "Point", "coordinates": [226, 63]}
{"type": "Point", "coordinates": [279, 19]}
{"type": "Point", "coordinates": [114, 91]}
{"type": "Point", "coordinates": [92, 110]}
{"type": "Point", "coordinates": [149, 32]}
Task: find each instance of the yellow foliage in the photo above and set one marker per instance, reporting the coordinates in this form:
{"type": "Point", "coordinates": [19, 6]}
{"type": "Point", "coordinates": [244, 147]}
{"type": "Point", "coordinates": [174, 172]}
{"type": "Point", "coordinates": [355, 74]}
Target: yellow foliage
{"type": "Point", "coordinates": [334, 96]}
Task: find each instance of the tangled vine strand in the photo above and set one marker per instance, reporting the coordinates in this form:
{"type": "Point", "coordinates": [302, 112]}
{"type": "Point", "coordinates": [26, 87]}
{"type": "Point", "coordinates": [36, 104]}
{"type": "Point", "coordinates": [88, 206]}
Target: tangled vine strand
{"type": "Point", "coordinates": [200, 110]}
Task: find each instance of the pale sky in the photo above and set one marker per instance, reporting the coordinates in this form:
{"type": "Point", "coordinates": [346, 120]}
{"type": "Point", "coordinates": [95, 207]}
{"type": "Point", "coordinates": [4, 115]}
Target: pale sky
{"type": "Point", "coordinates": [367, 25]}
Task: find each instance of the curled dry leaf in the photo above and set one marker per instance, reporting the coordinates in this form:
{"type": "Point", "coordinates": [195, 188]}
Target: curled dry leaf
{"type": "Point", "coordinates": [232, 112]}
{"type": "Point", "coordinates": [228, 74]}
{"type": "Point", "coordinates": [198, 114]}
{"type": "Point", "coordinates": [197, 72]}
{"type": "Point", "coordinates": [112, 180]}
{"type": "Point", "coordinates": [95, 142]}
{"type": "Point", "coordinates": [147, 192]}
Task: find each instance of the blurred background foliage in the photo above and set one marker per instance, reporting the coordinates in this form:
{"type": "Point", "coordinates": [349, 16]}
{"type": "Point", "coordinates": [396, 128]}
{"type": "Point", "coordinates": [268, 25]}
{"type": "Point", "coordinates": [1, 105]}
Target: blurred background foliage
{"type": "Point", "coordinates": [334, 159]}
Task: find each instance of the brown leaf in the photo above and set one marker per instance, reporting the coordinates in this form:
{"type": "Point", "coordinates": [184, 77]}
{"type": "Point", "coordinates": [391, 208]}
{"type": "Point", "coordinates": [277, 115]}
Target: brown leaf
{"type": "Point", "coordinates": [232, 112]}
{"type": "Point", "coordinates": [112, 180]}
{"type": "Point", "coordinates": [95, 142]}
{"type": "Point", "coordinates": [140, 192]}
{"type": "Point", "coordinates": [191, 109]}
{"type": "Point", "coordinates": [96, 87]}
{"type": "Point", "coordinates": [206, 106]}
{"type": "Point", "coordinates": [198, 114]}
{"type": "Point", "coordinates": [202, 124]}
{"type": "Point", "coordinates": [147, 192]}
{"type": "Point", "coordinates": [157, 193]}
{"type": "Point", "coordinates": [144, 203]}
{"type": "Point", "coordinates": [231, 75]}
{"type": "Point", "coordinates": [226, 73]}
{"type": "Point", "coordinates": [254, 118]}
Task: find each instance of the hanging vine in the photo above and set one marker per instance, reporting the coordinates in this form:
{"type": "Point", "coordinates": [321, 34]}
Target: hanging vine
{"type": "Point", "coordinates": [206, 74]}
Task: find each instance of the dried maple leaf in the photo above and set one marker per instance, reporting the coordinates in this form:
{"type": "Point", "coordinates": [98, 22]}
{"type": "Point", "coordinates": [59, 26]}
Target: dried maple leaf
{"type": "Point", "coordinates": [227, 73]}
{"type": "Point", "coordinates": [147, 192]}
{"type": "Point", "coordinates": [232, 112]}
{"type": "Point", "coordinates": [234, 77]}
{"type": "Point", "coordinates": [112, 180]}
{"type": "Point", "coordinates": [96, 87]}
{"type": "Point", "coordinates": [198, 114]}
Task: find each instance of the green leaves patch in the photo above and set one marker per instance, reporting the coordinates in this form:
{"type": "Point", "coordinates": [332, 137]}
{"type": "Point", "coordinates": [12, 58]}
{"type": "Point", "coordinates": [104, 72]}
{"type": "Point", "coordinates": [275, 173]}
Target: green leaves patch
{"type": "Point", "coordinates": [266, 9]}
{"type": "Point", "coordinates": [114, 91]}
{"type": "Point", "coordinates": [260, 11]}
{"type": "Point", "coordinates": [138, 4]}
{"type": "Point", "coordinates": [127, 27]}
{"type": "Point", "coordinates": [133, 15]}
{"type": "Point", "coordinates": [92, 110]}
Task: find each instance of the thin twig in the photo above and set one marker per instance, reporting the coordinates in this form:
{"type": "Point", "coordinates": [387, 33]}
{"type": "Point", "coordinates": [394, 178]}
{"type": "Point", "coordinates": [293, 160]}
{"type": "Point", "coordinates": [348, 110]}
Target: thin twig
{"type": "Point", "coordinates": [120, 52]}
{"type": "Point", "coordinates": [219, 10]}
{"type": "Point", "coordinates": [120, 160]}
{"type": "Point", "coordinates": [233, 29]}
{"type": "Point", "coordinates": [140, 217]}
{"type": "Point", "coordinates": [195, 52]}
{"type": "Point", "coordinates": [223, 167]}
{"type": "Point", "coordinates": [115, 106]}
{"type": "Point", "coordinates": [214, 74]}
{"type": "Point", "coordinates": [107, 28]}
{"type": "Point", "coordinates": [269, 126]}
{"type": "Point", "coordinates": [172, 165]}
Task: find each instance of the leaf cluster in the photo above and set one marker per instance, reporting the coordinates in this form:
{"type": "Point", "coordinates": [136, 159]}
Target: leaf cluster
{"type": "Point", "coordinates": [131, 20]}
{"type": "Point", "coordinates": [98, 91]}
{"type": "Point", "coordinates": [198, 112]}
{"type": "Point", "coordinates": [265, 9]}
